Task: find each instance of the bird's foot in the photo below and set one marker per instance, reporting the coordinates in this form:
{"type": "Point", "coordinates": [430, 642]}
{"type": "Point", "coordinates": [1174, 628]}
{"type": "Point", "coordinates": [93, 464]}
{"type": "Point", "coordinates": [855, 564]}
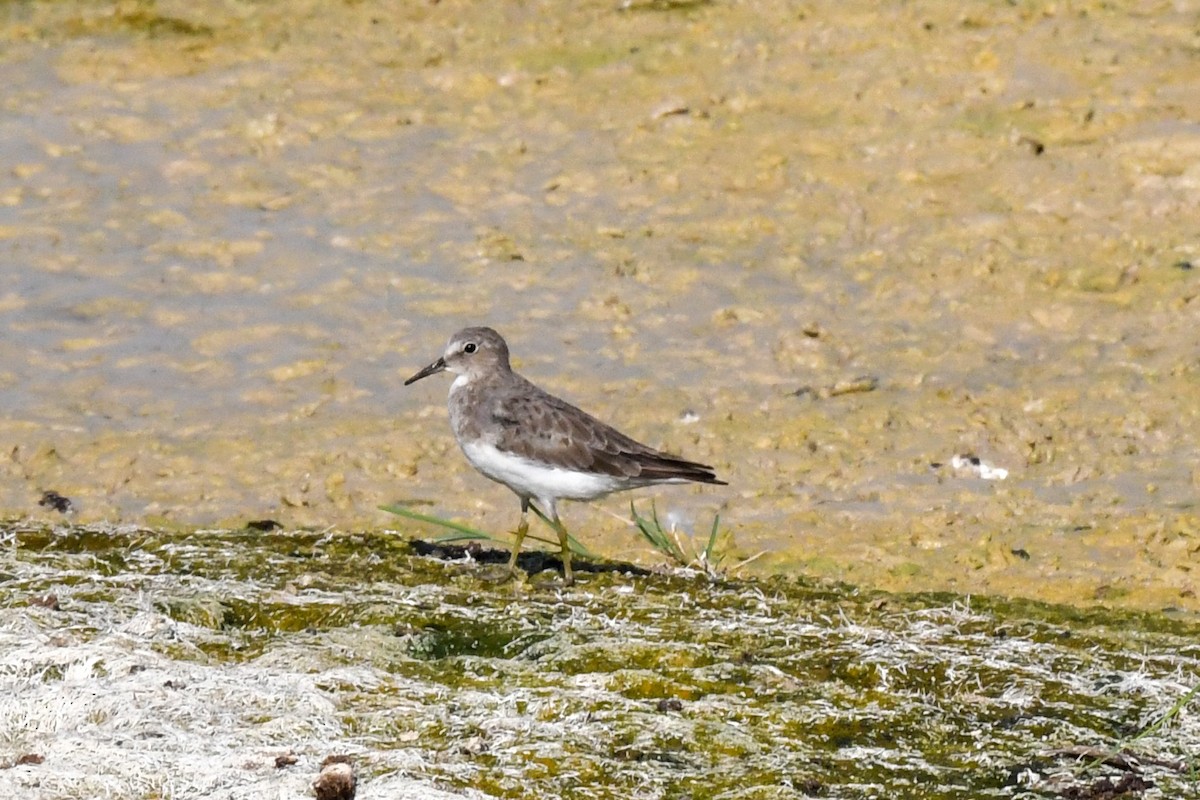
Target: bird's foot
{"type": "Point", "coordinates": [497, 574]}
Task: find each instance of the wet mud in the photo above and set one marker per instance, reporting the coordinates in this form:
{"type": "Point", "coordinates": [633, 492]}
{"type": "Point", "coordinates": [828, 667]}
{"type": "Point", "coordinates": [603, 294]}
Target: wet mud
{"type": "Point", "coordinates": [824, 247]}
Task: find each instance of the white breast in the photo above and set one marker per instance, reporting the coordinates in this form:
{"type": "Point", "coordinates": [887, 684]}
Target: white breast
{"type": "Point", "coordinates": [536, 480]}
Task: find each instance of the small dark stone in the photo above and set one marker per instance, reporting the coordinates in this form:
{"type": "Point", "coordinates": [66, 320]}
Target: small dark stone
{"type": "Point", "coordinates": [670, 704]}
{"type": "Point", "coordinates": [286, 760]}
{"type": "Point", "coordinates": [336, 780]}
{"type": "Point", "coordinates": [1021, 553]}
{"type": "Point", "coordinates": [810, 787]}
{"type": "Point", "coordinates": [1036, 146]}
{"type": "Point", "coordinates": [56, 502]}
{"type": "Point", "coordinates": [1184, 265]}
{"type": "Point", "coordinates": [264, 525]}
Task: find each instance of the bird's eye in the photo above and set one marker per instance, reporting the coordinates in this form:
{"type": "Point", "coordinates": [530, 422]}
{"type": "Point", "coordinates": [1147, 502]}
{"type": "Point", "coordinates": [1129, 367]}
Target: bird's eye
{"type": "Point", "coordinates": [469, 347]}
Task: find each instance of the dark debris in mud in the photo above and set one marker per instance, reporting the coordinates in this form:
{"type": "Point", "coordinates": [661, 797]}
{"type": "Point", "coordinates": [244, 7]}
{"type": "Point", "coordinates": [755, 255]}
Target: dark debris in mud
{"type": "Point", "coordinates": [1078, 782]}
{"type": "Point", "coordinates": [530, 561]}
{"type": "Point", "coordinates": [1128, 786]}
{"type": "Point", "coordinates": [56, 502]}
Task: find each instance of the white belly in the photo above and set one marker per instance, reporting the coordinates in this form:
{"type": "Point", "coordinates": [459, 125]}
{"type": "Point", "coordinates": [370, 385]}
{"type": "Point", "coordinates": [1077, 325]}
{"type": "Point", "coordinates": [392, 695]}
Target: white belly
{"type": "Point", "coordinates": [531, 479]}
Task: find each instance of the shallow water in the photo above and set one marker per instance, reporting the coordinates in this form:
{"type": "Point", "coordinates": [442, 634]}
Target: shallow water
{"type": "Point", "coordinates": [184, 665]}
{"type": "Point", "coordinates": [229, 231]}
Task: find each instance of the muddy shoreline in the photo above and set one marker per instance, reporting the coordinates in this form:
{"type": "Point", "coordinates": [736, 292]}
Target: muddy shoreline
{"type": "Point", "coordinates": [230, 231]}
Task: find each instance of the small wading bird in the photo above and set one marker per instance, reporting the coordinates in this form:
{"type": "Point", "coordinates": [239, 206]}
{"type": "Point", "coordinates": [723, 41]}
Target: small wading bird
{"type": "Point", "coordinates": [541, 447]}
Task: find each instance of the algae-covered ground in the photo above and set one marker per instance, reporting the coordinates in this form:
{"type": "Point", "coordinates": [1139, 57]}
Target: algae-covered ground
{"type": "Point", "coordinates": [138, 664]}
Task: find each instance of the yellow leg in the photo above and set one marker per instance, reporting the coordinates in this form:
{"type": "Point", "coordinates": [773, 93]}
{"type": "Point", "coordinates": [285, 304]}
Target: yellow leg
{"type": "Point", "coordinates": [522, 529]}
{"type": "Point", "coordinates": [568, 575]}
{"type": "Point", "coordinates": [554, 522]}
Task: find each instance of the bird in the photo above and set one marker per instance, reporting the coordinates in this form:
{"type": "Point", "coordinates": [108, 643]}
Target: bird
{"type": "Point", "coordinates": [540, 446]}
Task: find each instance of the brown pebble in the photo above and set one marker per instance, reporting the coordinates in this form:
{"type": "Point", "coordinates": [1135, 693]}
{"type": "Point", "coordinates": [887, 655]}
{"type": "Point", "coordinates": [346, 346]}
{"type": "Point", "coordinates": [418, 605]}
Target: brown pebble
{"type": "Point", "coordinates": [336, 781]}
{"type": "Point", "coordinates": [811, 787]}
{"type": "Point", "coordinates": [286, 760]}
{"type": "Point", "coordinates": [49, 601]}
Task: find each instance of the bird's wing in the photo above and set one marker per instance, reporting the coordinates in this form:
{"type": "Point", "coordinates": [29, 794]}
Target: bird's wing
{"type": "Point", "coordinates": [541, 427]}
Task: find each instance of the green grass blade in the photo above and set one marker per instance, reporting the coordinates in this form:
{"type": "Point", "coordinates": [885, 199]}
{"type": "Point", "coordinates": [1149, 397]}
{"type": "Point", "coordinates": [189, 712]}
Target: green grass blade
{"type": "Point", "coordinates": [643, 525]}
{"type": "Point", "coordinates": [573, 543]}
{"type": "Point", "coordinates": [465, 537]}
{"type": "Point", "coordinates": [653, 532]}
{"type": "Point", "coordinates": [712, 540]}
{"type": "Point", "coordinates": [441, 523]}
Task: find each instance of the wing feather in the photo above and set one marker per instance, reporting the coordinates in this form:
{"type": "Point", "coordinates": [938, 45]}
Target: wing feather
{"type": "Point", "coordinates": [541, 427]}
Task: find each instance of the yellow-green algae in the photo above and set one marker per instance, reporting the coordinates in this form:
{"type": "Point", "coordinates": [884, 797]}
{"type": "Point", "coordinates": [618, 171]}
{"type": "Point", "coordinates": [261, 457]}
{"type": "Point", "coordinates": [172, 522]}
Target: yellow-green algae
{"type": "Point", "coordinates": [185, 663]}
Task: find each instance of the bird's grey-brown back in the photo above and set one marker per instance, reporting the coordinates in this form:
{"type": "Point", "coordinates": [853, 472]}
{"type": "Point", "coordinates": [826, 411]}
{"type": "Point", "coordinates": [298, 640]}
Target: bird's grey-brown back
{"type": "Point", "coordinates": [536, 425]}
{"type": "Point", "coordinates": [490, 403]}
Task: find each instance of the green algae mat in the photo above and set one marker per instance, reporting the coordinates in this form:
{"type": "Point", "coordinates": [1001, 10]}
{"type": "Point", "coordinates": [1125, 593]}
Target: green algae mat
{"type": "Point", "coordinates": [146, 664]}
